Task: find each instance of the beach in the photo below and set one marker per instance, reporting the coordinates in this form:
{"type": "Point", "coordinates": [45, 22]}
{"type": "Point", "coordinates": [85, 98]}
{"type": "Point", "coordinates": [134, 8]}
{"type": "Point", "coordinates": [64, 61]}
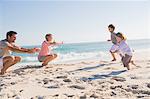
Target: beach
{"type": "Point", "coordinates": [74, 49]}
{"type": "Point", "coordinates": [84, 79]}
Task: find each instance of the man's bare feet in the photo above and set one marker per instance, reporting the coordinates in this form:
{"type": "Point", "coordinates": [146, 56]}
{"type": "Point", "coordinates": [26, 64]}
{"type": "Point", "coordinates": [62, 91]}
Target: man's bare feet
{"type": "Point", "coordinates": [113, 60]}
{"type": "Point", "coordinates": [2, 73]}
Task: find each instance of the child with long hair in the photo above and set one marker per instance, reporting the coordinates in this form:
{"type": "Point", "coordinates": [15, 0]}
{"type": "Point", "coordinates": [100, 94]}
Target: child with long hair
{"type": "Point", "coordinates": [125, 50]}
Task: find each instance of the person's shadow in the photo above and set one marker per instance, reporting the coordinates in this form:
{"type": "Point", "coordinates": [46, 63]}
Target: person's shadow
{"type": "Point", "coordinates": [89, 68]}
{"type": "Point", "coordinates": [92, 67]}
{"type": "Point", "coordinates": [20, 71]}
{"type": "Point", "coordinates": [103, 76]}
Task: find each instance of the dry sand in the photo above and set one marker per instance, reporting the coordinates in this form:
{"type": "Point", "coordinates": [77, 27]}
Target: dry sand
{"type": "Point", "coordinates": [88, 79]}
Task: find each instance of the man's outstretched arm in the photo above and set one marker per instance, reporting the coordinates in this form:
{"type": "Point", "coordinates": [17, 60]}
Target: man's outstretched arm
{"type": "Point", "coordinates": [21, 50]}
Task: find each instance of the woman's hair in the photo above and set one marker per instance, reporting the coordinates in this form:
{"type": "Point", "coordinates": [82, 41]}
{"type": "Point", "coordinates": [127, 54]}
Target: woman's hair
{"type": "Point", "coordinates": [47, 36]}
{"type": "Point", "coordinates": [119, 34]}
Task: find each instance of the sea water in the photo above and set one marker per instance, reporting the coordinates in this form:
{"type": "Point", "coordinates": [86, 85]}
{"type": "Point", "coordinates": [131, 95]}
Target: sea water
{"type": "Point", "coordinates": [80, 51]}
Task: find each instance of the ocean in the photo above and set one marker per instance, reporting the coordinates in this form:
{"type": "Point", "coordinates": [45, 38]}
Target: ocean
{"type": "Point", "coordinates": [80, 51]}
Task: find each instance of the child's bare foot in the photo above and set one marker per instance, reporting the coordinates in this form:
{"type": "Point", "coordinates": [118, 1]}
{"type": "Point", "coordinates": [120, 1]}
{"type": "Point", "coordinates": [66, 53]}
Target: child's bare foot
{"type": "Point", "coordinates": [132, 62]}
{"type": "Point", "coordinates": [44, 64]}
{"type": "Point", "coordinates": [128, 67]}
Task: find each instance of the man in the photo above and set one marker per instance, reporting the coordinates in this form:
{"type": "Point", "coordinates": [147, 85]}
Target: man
{"type": "Point", "coordinates": [114, 47]}
{"type": "Point", "coordinates": [6, 47]}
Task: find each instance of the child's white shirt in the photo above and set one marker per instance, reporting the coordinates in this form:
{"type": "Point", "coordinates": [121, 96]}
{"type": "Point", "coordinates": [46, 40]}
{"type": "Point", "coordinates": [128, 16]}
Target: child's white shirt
{"type": "Point", "coordinates": [124, 48]}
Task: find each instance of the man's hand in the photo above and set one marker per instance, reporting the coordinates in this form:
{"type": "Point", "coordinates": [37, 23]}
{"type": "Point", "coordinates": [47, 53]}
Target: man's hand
{"type": "Point", "coordinates": [37, 49]}
{"type": "Point", "coordinates": [33, 50]}
{"type": "Point", "coordinates": [108, 40]}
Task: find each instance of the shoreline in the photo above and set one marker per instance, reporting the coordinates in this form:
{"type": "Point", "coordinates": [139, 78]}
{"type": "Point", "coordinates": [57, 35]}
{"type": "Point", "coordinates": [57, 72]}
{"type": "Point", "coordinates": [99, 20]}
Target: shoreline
{"type": "Point", "coordinates": [141, 52]}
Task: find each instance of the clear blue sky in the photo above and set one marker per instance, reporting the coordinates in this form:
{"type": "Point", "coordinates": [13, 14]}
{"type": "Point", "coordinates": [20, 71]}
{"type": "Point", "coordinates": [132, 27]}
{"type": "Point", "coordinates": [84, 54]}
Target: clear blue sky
{"type": "Point", "coordinates": [73, 21]}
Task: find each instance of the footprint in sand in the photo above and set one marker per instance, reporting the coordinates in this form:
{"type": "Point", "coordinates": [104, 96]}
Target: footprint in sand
{"type": "Point", "coordinates": [113, 93]}
{"type": "Point", "coordinates": [59, 77]}
{"type": "Point", "coordinates": [148, 85]}
{"type": "Point", "coordinates": [45, 80]}
{"type": "Point", "coordinates": [83, 97]}
{"type": "Point", "coordinates": [85, 79]}
{"type": "Point", "coordinates": [56, 95]}
{"type": "Point", "coordinates": [77, 87]}
{"type": "Point", "coordinates": [134, 77]}
{"type": "Point", "coordinates": [94, 96]}
{"type": "Point", "coordinates": [69, 95]}
{"type": "Point", "coordinates": [13, 83]}
{"type": "Point", "coordinates": [2, 84]}
{"type": "Point", "coordinates": [84, 63]}
{"type": "Point", "coordinates": [1, 89]}
{"type": "Point", "coordinates": [121, 79]}
{"type": "Point", "coordinates": [7, 78]}
{"type": "Point", "coordinates": [21, 90]}
{"type": "Point", "coordinates": [53, 86]}
{"type": "Point", "coordinates": [58, 69]}
{"type": "Point", "coordinates": [19, 72]}
{"type": "Point", "coordinates": [114, 87]}
{"type": "Point", "coordinates": [109, 68]}
{"type": "Point", "coordinates": [67, 80]}
{"type": "Point", "coordinates": [133, 86]}
{"type": "Point", "coordinates": [38, 97]}
{"type": "Point", "coordinates": [140, 96]}
{"type": "Point", "coordinates": [147, 66]}
{"type": "Point", "coordinates": [138, 91]}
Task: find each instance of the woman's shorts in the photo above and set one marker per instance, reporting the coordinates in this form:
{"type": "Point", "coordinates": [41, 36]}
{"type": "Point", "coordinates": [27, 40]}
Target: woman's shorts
{"type": "Point", "coordinates": [126, 60]}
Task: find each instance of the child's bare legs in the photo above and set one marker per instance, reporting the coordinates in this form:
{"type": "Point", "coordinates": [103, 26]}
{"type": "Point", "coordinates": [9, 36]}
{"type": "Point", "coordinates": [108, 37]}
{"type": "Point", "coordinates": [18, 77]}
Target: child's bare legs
{"type": "Point", "coordinates": [126, 60]}
{"type": "Point", "coordinates": [126, 65]}
{"type": "Point", "coordinates": [132, 62]}
{"type": "Point", "coordinates": [48, 59]}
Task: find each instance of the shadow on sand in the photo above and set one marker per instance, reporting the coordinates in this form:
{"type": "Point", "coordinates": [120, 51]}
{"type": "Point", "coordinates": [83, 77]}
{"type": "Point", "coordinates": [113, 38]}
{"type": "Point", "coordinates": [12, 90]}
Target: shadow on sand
{"type": "Point", "coordinates": [103, 76]}
{"type": "Point", "coordinates": [92, 67]}
{"type": "Point", "coordinates": [21, 70]}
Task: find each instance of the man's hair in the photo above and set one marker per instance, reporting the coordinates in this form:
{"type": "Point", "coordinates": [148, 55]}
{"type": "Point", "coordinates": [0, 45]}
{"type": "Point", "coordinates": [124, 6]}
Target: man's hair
{"type": "Point", "coordinates": [10, 33]}
{"type": "Point", "coordinates": [47, 36]}
{"type": "Point", "coordinates": [111, 26]}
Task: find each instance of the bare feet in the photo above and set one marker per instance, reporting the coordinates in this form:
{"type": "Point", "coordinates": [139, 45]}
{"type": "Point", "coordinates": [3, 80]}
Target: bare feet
{"type": "Point", "coordinates": [132, 62]}
{"type": "Point", "coordinates": [113, 60]}
{"type": "Point", "coordinates": [128, 67]}
{"type": "Point", "coordinates": [44, 64]}
{"type": "Point", "coordinates": [2, 73]}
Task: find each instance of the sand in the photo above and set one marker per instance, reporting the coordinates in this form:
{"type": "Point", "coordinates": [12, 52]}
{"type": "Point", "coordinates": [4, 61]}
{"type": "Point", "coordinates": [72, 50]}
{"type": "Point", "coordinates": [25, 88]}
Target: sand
{"type": "Point", "coordinates": [86, 79]}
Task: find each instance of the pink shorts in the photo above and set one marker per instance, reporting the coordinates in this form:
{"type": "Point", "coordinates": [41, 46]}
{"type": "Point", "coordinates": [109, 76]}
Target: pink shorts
{"type": "Point", "coordinates": [41, 58]}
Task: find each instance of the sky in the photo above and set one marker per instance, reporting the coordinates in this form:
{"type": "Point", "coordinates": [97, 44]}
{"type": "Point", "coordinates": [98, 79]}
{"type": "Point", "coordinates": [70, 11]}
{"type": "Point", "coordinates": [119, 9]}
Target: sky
{"type": "Point", "coordinates": [74, 21]}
